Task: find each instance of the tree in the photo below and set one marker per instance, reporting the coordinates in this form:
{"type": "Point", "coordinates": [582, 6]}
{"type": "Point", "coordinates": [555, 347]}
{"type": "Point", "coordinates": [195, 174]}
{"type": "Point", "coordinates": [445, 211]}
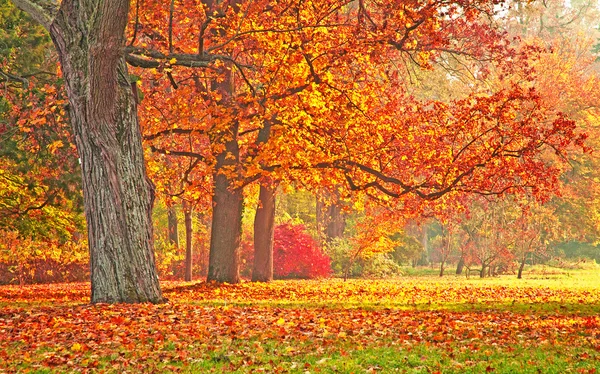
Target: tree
{"type": "Point", "coordinates": [118, 196]}
{"type": "Point", "coordinates": [328, 80]}
{"type": "Point", "coordinates": [264, 226]}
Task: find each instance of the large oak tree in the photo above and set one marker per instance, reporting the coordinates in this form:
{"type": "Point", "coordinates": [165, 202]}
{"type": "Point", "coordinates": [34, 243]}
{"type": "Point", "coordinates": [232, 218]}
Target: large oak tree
{"type": "Point", "coordinates": [118, 196]}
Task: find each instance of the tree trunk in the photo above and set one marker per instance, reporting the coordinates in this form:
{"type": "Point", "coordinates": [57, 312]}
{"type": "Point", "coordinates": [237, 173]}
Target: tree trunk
{"type": "Point", "coordinates": [425, 242]}
{"type": "Point", "coordinates": [442, 269]}
{"type": "Point", "coordinates": [460, 266]}
{"type": "Point", "coordinates": [320, 218]}
{"type": "Point", "coordinates": [521, 267]}
{"type": "Point", "coordinates": [226, 230]}
{"type": "Point", "coordinates": [118, 196]}
{"type": "Point", "coordinates": [264, 225]}
{"type": "Point", "coordinates": [483, 271]}
{"type": "Point", "coordinates": [173, 226]}
{"type": "Point", "coordinates": [189, 230]}
{"type": "Point", "coordinates": [336, 222]}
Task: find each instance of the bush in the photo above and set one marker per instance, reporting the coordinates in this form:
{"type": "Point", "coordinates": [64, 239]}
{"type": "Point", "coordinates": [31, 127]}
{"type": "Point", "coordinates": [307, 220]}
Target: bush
{"type": "Point", "coordinates": [381, 266]}
{"type": "Point", "coordinates": [340, 251]}
{"type": "Point", "coordinates": [297, 255]}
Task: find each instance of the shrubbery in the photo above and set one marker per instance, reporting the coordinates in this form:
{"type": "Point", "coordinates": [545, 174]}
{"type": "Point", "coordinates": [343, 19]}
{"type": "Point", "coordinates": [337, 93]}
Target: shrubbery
{"type": "Point", "coordinates": [295, 255]}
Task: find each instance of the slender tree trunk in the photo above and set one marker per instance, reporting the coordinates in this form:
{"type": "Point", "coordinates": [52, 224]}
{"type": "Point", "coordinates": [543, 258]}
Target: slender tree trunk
{"type": "Point", "coordinates": [264, 225]}
{"type": "Point", "coordinates": [173, 226]}
{"type": "Point", "coordinates": [522, 266]}
{"type": "Point", "coordinates": [118, 196]}
{"type": "Point", "coordinates": [425, 242]}
{"type": "Point", "coordinates": [189, 231]}
{"type": "Point", "coordinates": [442, 268]}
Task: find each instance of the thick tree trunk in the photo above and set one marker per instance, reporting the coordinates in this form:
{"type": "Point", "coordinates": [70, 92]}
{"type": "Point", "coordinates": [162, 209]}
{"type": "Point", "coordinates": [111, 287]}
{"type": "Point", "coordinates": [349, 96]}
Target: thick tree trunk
{"type": "Point", "coordinates": [264, 225]}
{"type": "Point", "coordinates": [226, 229]}
{"type": "Point", "coordinates": [118, 196]}
{"type": "Point", "coordinates": [223, 262]}
{"type": "Point", "coordinates": [336, 222]}
{"type": "Point", "coordinates": [189, 231]}
{"type": "Point", "coordinates": [331, 220]}
{"type": "Point", "coordinates": [483, 271]}
{"type": "Point", "coordinates": [173, 226]}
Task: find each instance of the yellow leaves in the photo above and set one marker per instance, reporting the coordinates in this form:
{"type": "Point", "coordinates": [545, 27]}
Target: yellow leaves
{"type": "Point", "coordinates": [280, 322]}
{"type": "Point", "coordinates": [54, 146]}
{"type": "Point", "coordinates": [76, 347]}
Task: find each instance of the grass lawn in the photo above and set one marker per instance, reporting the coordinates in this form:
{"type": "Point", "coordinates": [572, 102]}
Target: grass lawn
{"type": "Point", "coordinates": [546, 323]}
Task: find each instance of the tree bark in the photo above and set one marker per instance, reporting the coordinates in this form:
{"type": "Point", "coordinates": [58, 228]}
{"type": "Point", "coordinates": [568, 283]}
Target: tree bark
{"type": "Point", "coordinates": [226, 230]}
{"type": "Point", "coordinates": [189, 231]}
{"type": "Point", "coordinates": [336, 222]}
{"type": "Point", "coordinates": [118, 196]}
{"type": "Point", "coordinates": [173, 226]}
{"type": "Point", "coordinates": [264, 225]}
{"type": "Point", "coordinates": [521, 267]}
{"type": "Point", "coordinates": [320, 218]}
{"type": "Point", "coordinates": [460, 266]}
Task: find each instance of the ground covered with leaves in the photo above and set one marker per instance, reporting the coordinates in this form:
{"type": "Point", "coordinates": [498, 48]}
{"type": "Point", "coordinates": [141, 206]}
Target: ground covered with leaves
{"type": "Point", "coordinates": [412, 325]}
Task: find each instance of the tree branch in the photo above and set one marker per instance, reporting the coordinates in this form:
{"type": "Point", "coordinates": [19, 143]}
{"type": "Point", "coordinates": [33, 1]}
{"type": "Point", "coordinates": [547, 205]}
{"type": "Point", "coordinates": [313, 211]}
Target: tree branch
{"type": "Point", "coordinates": [43, 11]}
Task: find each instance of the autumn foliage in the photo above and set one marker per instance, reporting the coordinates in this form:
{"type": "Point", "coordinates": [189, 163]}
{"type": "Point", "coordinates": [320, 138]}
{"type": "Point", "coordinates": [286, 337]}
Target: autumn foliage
{"type": "Point", "coordinates": [297, 255]}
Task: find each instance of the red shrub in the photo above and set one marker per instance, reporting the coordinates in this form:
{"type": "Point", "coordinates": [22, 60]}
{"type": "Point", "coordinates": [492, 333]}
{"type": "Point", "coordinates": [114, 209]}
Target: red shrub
{"type": "Point", "coordinates": [297, 255]}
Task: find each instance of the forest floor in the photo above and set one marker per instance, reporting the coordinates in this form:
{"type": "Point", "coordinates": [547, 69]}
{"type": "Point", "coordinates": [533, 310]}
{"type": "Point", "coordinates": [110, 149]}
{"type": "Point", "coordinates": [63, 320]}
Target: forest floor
{"type": "Point", "coordinates": [548, 322]}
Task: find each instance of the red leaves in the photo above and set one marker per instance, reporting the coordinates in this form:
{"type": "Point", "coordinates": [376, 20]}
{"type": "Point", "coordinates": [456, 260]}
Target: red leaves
{"type": "Point", "coordinates": [297, 255]}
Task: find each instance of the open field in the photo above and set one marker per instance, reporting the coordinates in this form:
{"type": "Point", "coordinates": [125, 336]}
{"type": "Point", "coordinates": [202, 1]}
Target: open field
{"type": "Point", "coordinates": [547, 323]}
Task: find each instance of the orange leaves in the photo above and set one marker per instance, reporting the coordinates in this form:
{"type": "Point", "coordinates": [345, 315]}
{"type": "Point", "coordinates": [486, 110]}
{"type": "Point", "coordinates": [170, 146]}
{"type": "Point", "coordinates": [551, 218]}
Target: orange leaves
{"type": "Point", "coordinates": [203, 319]}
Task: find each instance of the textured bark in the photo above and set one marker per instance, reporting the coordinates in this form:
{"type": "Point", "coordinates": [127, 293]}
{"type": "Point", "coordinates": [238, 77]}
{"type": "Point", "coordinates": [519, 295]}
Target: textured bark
{"type": "Point", "coordinates": [173, 227]}
{"type": "Point", "coordinates": [226, 230]}
{"type": "Point", "coordinates": [336, 222]}
{"type": "Point", "coordinates": [264, 226]}
{"type": "Point", "coordinates": [118, 196]}
{"type": "Point", "coordinates": [331, 220]}
{"type": "Point", "coordinates": [189, 230]}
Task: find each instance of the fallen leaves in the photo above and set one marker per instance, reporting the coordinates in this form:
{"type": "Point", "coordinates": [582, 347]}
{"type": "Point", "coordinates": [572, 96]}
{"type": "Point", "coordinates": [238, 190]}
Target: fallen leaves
{"type": "Point", "coordinates": [69, 334]}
